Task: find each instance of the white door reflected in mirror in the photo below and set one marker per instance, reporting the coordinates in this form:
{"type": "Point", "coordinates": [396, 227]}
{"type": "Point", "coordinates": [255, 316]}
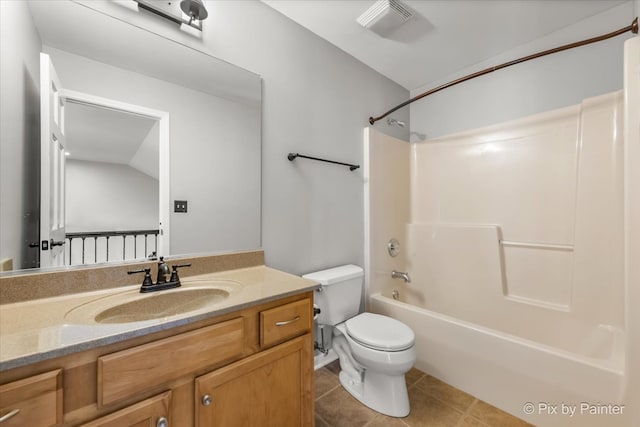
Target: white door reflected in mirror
{"type": "Point", "coordinates": [106, 183]}
{"type": "Point", "coordinates": [52, 166]}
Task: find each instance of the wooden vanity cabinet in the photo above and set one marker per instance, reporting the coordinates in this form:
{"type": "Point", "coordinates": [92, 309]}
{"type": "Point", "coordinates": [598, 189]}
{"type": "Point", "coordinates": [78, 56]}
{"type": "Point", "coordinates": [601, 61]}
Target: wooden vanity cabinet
{"type": "Point", "coordinates": [252, 367]}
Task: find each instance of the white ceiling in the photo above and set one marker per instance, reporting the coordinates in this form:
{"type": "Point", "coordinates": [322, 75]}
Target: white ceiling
{"type": "Point", "coordinates": [104, 135]}
{"type": "Point", "coordinates": [443, 37]}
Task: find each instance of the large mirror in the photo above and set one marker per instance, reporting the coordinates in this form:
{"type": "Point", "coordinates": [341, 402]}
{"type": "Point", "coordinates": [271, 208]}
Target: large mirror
{"type": "Point", "coordinates": [152, 128]}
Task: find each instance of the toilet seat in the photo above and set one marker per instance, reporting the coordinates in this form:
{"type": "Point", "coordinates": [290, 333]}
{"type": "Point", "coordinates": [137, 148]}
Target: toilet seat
{"type": "Point", "coordinates": [380, 332]}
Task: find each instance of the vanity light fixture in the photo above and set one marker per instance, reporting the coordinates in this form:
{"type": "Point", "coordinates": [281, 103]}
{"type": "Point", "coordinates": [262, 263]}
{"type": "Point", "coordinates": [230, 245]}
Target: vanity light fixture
{"type": "Point", "coordinates": [174, 10]}
{"type": "Point", "coordinates": [195, 9]}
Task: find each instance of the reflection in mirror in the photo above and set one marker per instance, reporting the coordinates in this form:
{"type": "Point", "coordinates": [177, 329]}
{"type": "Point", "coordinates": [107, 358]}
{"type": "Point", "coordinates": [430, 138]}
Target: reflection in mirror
{"type": "Point", "coordinates": [214, 155]}
{"type": "Point", "coordinates": [112, 187]}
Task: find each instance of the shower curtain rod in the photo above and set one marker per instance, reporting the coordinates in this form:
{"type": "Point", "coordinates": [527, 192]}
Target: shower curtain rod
{"type": "Point", "coordinates": [633, 28]}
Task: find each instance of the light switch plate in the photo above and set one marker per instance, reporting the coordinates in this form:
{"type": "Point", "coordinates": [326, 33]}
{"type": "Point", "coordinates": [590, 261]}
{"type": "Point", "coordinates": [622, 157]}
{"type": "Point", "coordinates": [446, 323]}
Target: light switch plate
{"type": "Point", "coordinates": [180, 206]}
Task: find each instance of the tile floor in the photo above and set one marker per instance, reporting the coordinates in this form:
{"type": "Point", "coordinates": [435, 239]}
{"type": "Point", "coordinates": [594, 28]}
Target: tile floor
{"type": "Point", "coordinates": [433, 403]}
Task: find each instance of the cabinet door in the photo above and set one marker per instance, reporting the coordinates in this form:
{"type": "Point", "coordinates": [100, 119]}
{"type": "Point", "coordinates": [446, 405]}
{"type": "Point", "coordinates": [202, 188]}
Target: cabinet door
{"type": "Point", "coordinates": [35, 401]}
{"type": "Point", "coordinates": [271, 388]}
{"type": "Point", "coordinates": [152, 412]}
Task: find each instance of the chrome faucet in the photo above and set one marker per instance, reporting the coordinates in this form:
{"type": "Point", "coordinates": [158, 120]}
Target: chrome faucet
{"type": "Point", "coordinates": [401, 275]}
{"type": "Point", "coordinates": [163, 273]}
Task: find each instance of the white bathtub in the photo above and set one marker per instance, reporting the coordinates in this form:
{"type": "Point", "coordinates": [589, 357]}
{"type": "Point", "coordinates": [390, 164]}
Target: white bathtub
{"type": "Point", "coordinates": [512, 372]}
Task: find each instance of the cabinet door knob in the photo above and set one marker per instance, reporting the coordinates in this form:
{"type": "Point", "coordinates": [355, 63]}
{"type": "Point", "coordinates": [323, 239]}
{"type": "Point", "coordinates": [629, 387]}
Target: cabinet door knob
{"type": "Point", "coordinates": [206, 400]}
{"type": "Point", "coordinates": [162, 422]}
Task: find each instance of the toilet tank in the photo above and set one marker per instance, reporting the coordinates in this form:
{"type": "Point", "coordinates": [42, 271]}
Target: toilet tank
{"type": "Point", "coordinates": [339, 297]}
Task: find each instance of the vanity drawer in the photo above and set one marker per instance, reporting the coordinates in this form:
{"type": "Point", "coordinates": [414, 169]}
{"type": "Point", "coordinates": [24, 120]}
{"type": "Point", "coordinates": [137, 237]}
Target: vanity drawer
{"type": "Point", "coordinates": [125, 373]}
{"type": "Point", "coordinates": [284, 322]}
{"type": "Point", "coordinates": [37, 399]}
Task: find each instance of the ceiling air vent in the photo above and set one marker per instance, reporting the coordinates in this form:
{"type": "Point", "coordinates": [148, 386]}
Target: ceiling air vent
{"type": "Point", "coordinates": [384, 17]}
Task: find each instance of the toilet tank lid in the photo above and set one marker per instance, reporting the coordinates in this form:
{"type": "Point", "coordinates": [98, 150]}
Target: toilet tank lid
{"type": "Point", "coordinates": [335, 275]}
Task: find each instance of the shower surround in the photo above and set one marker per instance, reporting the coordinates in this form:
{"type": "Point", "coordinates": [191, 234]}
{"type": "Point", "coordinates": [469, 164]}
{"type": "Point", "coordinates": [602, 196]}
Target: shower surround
{"type": "Point", "coordinates": [514, 237]}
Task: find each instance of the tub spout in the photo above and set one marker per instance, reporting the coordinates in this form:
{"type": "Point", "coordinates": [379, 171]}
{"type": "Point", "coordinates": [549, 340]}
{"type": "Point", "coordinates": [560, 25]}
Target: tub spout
{"type": "Point", "coordinates": [401, 275]}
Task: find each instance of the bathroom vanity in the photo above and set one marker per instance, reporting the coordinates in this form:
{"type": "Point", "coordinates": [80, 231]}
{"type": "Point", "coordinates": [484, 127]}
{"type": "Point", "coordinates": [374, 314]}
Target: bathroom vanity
{"type": "Point", "coordinates": [246, 360]}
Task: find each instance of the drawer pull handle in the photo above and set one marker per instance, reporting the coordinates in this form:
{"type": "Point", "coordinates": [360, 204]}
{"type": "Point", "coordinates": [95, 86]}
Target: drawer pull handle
{"type": "Point", "coordinates": [206, 400]}
{"type": "Point", "coordinates": [162, 422]}
{"type": "Point", "coordinates": [286, 322]}
{"type": "Point", "coordinates": [11, 414]}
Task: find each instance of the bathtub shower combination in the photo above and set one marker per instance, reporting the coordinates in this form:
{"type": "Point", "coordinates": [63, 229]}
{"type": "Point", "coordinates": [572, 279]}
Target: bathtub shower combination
{"type": "Point", "coordinates": [514, 239]}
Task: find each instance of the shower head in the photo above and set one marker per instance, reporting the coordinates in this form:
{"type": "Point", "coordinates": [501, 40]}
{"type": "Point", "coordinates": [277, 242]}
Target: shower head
{"type": "Point", "coordinates": [391, 121]}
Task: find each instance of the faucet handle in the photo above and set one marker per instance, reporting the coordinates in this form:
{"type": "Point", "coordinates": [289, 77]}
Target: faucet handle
{"type": "Point", "coordinates": [174, 272]}
{"type": "Point", "coordinates": [147, 281]}
{"type": "Point", "coordinates": [181, 265]}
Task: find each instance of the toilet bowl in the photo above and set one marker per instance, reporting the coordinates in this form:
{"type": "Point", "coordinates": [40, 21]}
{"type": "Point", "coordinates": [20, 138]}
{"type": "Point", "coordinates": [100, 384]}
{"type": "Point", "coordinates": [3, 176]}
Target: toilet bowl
{"type": "Point", "coordinates": [380, 342]}
{"type": "Point", "coordinates": [375, 351]}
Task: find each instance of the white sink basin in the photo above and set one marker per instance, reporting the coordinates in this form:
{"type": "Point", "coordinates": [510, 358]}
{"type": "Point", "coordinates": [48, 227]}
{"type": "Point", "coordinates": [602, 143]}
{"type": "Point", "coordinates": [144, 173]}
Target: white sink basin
{"type": "Point", "coordinates": [132, 306]}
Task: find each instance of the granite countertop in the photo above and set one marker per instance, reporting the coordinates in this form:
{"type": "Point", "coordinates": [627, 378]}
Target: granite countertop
{"type": "Point", "coordinates": [45, 328]}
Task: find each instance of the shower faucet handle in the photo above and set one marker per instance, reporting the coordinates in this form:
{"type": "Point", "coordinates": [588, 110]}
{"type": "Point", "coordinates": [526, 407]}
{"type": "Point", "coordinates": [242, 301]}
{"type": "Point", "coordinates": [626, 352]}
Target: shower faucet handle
{"type": "Point", "coordinates": [400, 275]}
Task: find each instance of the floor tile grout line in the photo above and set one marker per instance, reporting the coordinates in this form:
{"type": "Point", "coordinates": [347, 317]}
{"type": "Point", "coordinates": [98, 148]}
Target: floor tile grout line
{"type": "Point", "coordinates": [445, 402]}
{"type": "Point", "coordinates": [323, 420]}
{"type": "Point", "coordinates": [370, 421]}
{"type": "Point", "coordinates": [467, 412]}
{"type": "Point", "coordinates": [416, 381]}
{"type": "Point", "coordinates": [327, 392]}
{"type": "Point", "coordinates": [381, 414]}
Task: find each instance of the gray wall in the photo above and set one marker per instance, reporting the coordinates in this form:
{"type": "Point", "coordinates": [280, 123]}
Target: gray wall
{"type": "Point", "coordinates": [543, 84]}
{"type": "Point", "coordinates": [109, 197]}
{"type": "Point", "coordinates": [316, 101]}
{"type": "Point", "coordinates": [19, 145]}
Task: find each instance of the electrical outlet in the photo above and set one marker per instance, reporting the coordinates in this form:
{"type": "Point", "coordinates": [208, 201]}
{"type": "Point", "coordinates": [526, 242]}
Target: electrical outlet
{"type": "Point", "coordinates": [180, 206]}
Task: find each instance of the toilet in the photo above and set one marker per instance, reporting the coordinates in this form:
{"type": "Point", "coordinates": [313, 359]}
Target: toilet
{"type": "Point", "coordinates": [375, 351]}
